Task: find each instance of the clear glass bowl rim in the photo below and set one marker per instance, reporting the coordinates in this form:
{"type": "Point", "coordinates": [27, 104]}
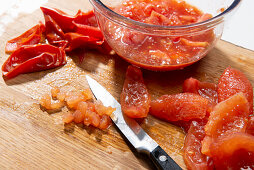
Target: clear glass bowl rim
{"type": "Point", "coordinates": [110, 14]}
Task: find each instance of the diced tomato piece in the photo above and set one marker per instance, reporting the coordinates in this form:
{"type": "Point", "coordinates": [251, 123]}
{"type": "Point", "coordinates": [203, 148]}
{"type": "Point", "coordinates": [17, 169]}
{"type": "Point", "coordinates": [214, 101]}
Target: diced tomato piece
{"type": "Point", "coordinates": [73, 98]}
{"type": "Point", "coordinates": [135, 99]}
{"type": "Point", "coordinates": [103, 110]}
{"type": "Point", "coordinates": [233, 151]}
{"type": "Point", "coordinates": [229, 116]}
{"type": "Point", "coordinates": [48, 104]}
{"type": "Point", "coordinates": [31, 37]}
{"type": "Point", "coordinates": [105, 122]}
{"type": "Point", "coordinates": [54, 91]}
{"type": "Point", "coordinates": [233, 81]}
{"type": "Point", "coordinates": [250, 126]}
{"type": "Point", "coordinates": [87, 94]}
{"type": "Point", "coordinates": [182, 106]}
{"type": "Point", "coordinates": [82, 106]}
{"type": "Point", "coordinates": [78, 116]}
{"type": "Point", "coordinates": [68, 117]}
{"type": "Point", "coordinates": [193, 157]}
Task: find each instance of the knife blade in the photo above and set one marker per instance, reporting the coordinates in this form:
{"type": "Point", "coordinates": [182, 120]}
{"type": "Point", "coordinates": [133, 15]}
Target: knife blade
{"type": "Point", "coordinates": [139, 139]}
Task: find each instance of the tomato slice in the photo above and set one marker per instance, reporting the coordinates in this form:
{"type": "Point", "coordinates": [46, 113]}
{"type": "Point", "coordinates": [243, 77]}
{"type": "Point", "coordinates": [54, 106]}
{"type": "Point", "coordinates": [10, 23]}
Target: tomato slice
{"type": "Point", "coordinates": [229, 116]}
{"type": "Point", "coordinates": [30, 37]}
{"type": "Point", "coordinates": [233, 81]}
{"type": "Point", "coordinates": [204, 89]}
{"type": "Point", "coordinates": [33, 58]}
{"type": "Point", "coordinates": [135, 99]}
{"type": "Point", "coordinates": [193, 157]}
{"type": "Point", "coordinates": [234, 151]}
{"type": "Point", "coordinates": [66, 22]}
{"type": "Point", "coordinates": [182, 106]}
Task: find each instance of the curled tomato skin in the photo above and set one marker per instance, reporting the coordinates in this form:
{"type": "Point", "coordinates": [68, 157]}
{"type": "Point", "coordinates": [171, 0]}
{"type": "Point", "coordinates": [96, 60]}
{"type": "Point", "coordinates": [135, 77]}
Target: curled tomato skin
{"type": "Point", "coordinates": [182, 106]}
{"type": "Point", "coordinates": [66, 22]}
{"type": "Point", "coordinates": [76, 40]}
{"type": "Point", "coordinates": [32, 36]}
{"type": "Point", "coordinates": [135, 99]}
{"type": "Point", "coordinates": [54, 33]}
{"type": "Point", "coordinates": [33, 58]}
{"type": "Point", "coordinates": [233, 81]}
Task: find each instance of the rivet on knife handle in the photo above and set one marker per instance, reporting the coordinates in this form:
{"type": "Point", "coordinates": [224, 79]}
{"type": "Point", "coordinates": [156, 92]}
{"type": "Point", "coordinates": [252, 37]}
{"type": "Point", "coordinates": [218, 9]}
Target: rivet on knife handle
{"type": "Point", "coordinates": [163, 160]}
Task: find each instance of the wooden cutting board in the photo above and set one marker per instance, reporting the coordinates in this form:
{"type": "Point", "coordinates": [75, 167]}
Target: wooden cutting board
{"type": "Point", "coordinates": [31, 138]}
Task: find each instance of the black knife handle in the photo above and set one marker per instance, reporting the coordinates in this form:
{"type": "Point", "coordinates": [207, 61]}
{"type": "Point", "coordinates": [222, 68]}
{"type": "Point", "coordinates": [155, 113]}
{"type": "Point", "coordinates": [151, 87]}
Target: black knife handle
{"type": "Point", "coordinates": [162, 160]}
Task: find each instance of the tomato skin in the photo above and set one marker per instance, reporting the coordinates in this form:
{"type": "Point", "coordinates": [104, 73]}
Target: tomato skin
{"type": "Point", "coordinates": [76, 40]}
{"type": "Point", "coordinates": [233, 81]}
{"type": "Point", "coordinates": [135, 99]}
{"type": "Point", "coordinates": [33, 58]}
{"type": "Point", "coordinates": [67, 22]}
{"type": "Point", "coordinates": [233, 151]}
{"type": "Point", "coordinates": [32, 36]}
{"type": "Point", "coordinates": [54, 33]}
{"type": "Point", "coordinates": [182, 106]}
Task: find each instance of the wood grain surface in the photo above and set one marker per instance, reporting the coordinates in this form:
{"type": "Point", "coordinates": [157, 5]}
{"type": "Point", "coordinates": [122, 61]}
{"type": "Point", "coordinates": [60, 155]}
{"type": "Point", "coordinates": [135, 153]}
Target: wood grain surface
{"type": "Point", "coordinates": [31, 138]}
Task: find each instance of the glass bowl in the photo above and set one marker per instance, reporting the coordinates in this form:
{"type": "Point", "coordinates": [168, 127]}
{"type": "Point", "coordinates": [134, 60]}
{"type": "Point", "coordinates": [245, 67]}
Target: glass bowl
{"type": "Point", "coordinates": [162, 47]}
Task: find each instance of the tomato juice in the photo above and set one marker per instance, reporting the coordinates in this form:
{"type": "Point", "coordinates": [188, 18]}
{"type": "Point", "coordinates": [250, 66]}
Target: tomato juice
{"type": "Point", "coordinates": [156, 51]}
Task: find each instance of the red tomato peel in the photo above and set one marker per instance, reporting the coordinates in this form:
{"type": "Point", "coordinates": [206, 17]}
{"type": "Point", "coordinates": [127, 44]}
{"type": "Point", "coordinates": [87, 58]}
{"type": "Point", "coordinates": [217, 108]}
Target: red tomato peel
{"type": "Point", "coordinates": [33, 58]}
{"type": "Point", "coordinates": [32, 36]}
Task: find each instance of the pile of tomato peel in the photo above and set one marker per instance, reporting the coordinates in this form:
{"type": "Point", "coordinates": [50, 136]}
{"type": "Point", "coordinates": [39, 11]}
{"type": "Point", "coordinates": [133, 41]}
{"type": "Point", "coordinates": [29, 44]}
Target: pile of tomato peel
{"type": "Point", "coordinates": [44, 46]}
{"type": "Point", "coordinates": [217, 117]}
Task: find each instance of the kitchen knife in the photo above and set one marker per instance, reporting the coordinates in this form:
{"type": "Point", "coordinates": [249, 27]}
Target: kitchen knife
{"type": "Point", "coordinates": [131, 129]}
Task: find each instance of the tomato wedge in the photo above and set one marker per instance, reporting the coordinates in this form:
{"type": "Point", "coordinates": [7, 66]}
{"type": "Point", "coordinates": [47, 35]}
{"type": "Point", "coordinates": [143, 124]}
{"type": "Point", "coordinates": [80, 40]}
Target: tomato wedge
{"type": "Point", "coordinates": [182, 106]}
{"type": "Point", "coordinates": [234, 151]}
{"type": "Point", "coordinates": [135, 99]}
{"type": "Point", "coordinates": [229, 116]}
{"type": "Point", "coordinates": [30, 37]}
{"type": "Point", "coordinates": [193, 156]}
{"type": "Point", "coordinates": [233, 81]}
{"type": "Point", "coordinates": [33, 58]}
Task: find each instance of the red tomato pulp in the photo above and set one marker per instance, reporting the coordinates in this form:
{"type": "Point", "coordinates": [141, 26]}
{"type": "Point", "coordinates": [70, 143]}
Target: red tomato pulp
{"type": "Point", "coordinates": [156, 52]}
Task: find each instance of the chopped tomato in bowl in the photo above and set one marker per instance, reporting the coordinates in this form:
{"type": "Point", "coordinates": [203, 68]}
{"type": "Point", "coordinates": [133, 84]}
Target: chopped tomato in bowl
{"type": "Point", "coordinates": [160, 34]}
